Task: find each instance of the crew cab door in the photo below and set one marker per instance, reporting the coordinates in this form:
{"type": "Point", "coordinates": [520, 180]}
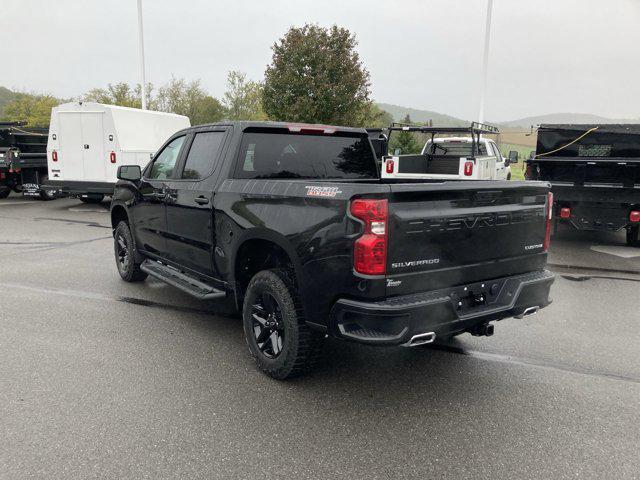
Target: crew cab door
{"type": "Point", "coordinates": [190, 214]}
{"type": "Point", "coordinates": [149, 212]}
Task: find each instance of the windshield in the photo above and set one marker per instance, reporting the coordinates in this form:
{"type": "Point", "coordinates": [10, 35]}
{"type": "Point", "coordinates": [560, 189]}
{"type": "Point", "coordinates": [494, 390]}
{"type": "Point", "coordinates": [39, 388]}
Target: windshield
{"type": "Point", "coordinates": [454, 148]}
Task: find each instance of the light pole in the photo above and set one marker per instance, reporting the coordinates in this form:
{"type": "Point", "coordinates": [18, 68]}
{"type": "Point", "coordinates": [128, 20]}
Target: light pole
{"type": "Point", "coordinates": [141, 47]}
{"type": "Point", "coordinates": [485, 60]}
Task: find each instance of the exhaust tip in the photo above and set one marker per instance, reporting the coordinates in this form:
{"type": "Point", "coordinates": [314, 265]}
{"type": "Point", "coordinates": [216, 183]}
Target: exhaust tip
{"type": "Point", "coordinates": [529, 311]}
{"type": "Point", "coordinates": [421, 339]}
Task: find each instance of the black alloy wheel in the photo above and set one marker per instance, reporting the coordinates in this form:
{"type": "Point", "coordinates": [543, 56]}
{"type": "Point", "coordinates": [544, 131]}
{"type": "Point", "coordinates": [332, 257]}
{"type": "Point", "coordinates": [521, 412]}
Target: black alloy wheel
{"type": "Point", "coordinates": [268, 326]}
{"type": "Point", "coordinates": [125, 254]}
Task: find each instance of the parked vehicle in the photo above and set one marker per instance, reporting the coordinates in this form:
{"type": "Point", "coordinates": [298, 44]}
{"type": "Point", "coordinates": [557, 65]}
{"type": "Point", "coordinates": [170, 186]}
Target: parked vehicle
{"type": "Point", "coordinates": [594, 171]}
{"type": "Point", "coordinates": [470, 157]}
{"type": "Point", "coordinates": [87, 142]}
{"type": "Point", "coordinates": [294, 222]}
{"type": "Point", "coordinates": [23, 160]}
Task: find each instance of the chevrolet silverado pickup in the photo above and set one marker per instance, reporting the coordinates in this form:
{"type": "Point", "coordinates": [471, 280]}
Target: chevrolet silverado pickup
{"type": "Point", "coordinates": [594, 171]}
{"type": "Point", "coordinates": [294, 223]}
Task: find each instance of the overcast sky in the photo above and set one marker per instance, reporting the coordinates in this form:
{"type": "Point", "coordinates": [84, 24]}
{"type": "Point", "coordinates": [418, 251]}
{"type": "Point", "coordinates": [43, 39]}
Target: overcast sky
{"type": "Point", "coordinates": [546, 55]}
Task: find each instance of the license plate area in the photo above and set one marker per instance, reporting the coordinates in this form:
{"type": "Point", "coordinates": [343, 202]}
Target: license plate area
{"type": "Point", "coordinates": [471, 298]}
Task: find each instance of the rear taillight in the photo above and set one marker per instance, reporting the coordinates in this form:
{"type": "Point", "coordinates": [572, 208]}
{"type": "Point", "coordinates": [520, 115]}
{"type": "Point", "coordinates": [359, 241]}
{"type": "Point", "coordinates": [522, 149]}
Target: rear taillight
{"type": "Point", "coordinates": [565, 212]}
{"type": "Point", "coordinates": [389, 166]}
{"type": "Point", "coordinates": [54, 156]}
{"type": "Point", "coordinates": [370, 249]}
{"type": "Point", "coordinates": [529, 172]}
{"type": "Point", "coordinates": [634, 216]}
{"type": "Point", "coordinates": [112, 157]}
{"type": "Point", "coordinates": [468, 169]}
{"type": "Point", "coordinates": [549, 214]}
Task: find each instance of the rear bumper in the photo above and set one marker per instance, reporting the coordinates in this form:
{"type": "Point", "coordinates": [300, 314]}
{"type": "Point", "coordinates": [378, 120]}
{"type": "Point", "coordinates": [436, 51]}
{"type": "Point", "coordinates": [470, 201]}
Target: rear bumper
{"type": "Point", "coordinates": [596, 207]}
{"type": "Point", "coordinates": [444, 312]}
{"type": "Point", "coordinates": [80, 188]}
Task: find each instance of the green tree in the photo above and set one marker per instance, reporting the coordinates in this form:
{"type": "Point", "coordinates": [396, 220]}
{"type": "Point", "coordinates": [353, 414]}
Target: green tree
{"type": "Point", "coordinates": [35, 109]}
{"type": "Point", "coordinates": [406, 142]}
{"type": "Point", "coordinates": [243, 98]}
{"type": "Point", "coordinates": [190, 99]}
{"type": "Point", "coordinates": [377, 118]}
{"type": "Point", "coordinates": [121, 94]}
{"type": "Point", "coordinates": [317, 76]}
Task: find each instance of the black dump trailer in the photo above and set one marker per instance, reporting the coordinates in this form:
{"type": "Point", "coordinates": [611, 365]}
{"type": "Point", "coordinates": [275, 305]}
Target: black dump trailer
{"type": "Point", "coordinates": [23, 160]}
{"type": "Point", "coordinates": [594, 171]}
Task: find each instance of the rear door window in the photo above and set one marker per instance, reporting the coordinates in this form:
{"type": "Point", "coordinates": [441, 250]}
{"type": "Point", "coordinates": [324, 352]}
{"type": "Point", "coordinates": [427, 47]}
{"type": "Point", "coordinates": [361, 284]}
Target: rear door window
{"type": "Point", "coordinates": [202, 156]}
{"type": "Point", "coordinates": [290, 155]}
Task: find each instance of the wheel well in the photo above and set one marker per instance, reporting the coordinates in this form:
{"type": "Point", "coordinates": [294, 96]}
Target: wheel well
{"type": "Point", "coordinates": [118, 214]}
{"type": "Point", "coordinates": [254, 256]}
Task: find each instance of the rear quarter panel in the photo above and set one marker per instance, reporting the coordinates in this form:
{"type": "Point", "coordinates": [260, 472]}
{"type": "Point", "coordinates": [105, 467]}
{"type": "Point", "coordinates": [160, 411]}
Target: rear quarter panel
{"type": "Point", "coordinates": [309, 221]}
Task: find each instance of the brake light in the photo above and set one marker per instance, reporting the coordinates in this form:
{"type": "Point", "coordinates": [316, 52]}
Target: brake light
{"type": "Point", "coordinates": [370, 249]}
{"type": "Point", "coordinates": [311, 128]}
{"type": "Point", "coordinates": [468, 169]}
{"type": "Point", "coordinates": [389, 166]}
{"type": "Point", "coordinates": [54, 156]}
{"type": "Point", "coordinates": [549, 214]}
{"type": "Point", "coordinates": [112, 157]}
{"type": "Point", "coordinates": [634, 216]}
{"type": "Point", "coordinates": [565, 212]}
{"type": "Point", "coordinates": [528, 173]}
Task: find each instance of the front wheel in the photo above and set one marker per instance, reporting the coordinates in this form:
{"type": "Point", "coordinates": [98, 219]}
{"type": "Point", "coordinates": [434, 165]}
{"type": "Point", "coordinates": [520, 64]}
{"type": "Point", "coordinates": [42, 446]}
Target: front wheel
{"type": "Point", "coordinates": [280, 342]}
{"type": "Point", "coordinates": [633, 236]}
{"type": "Point", "coordinates": [124, 251]}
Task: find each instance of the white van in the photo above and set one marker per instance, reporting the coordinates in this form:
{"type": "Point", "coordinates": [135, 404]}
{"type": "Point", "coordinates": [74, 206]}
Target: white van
{"type": "Point", "coordinates": [88, 141]}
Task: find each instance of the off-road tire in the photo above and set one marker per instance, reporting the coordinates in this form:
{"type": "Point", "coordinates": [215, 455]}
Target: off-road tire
{"type": "Point", "coordinates": [128, 269]}
{"type": "Point", "coordinates": [301, 346]}
{"type": "Point", "coordinates": [633, 236]}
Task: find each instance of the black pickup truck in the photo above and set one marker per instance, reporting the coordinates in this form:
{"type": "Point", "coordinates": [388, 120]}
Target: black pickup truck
{"type": "Point", "coordinates": [294, 222]}
{"type": "Point", "coordinates": [23, 160]}
{"type": "Point", "coordinates": [594, 171]}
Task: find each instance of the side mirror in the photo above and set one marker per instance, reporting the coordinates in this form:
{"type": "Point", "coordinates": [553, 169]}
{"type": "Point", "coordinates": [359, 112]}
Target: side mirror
{"type": "Point", "coordinates": [131, 173]}
{"type": "Point", "coordinates": [397, 152]}
{"type": "Point", "coordinates": [513, 156]}
{"type": "Point", "coordinates": [532, 154]}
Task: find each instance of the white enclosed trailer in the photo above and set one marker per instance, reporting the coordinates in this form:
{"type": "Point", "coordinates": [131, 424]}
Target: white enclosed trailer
{"type": "Point", "coordinates": [88, 141]}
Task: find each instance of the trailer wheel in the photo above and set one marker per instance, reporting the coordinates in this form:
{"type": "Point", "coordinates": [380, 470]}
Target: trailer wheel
{"type": "Point", "coordinates": [4, 191]}
{"type": "Point", "coordinates": [279, 341]}
{"type": "Point", "coordinates": [124, 251]}
{"type": "Point", "coordinates": [97, 198]}
{"type": "Point", "coordinates": [633, 236]}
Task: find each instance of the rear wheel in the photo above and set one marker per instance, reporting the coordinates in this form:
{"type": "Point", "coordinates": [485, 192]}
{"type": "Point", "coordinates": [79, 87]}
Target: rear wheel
{"type": "Point", "coordinates": [46, 194]}
{"type": "Point", "coordinates": [279, 341]}
{"type": "Point", "coordinates": [98, 198]}
{"type": "Point", "coordinates": [124, 251]}
{"type": "Point", "coordinates": [633, 236]}
{"type": "Point", "coordinates": [4, 191]}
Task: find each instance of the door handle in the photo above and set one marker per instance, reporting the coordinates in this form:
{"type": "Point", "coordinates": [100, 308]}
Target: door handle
{"type": "Point", "coordinates": [201, 200]}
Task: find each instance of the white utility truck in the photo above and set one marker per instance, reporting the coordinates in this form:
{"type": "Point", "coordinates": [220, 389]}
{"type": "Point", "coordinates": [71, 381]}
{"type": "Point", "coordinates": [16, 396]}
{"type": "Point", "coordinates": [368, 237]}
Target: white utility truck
{"type": "Point", "coordinates": [88, 141]}
{"type": "Point", "coordinates": [470, 157]}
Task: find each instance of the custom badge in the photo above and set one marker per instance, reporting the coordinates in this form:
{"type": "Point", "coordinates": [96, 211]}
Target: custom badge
{"type": "Point", "coordinates": [317, 191]}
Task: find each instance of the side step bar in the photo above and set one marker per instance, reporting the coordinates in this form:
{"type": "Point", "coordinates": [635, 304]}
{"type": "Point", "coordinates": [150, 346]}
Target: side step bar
{"type": "Point", "coordinates": [181, 280]}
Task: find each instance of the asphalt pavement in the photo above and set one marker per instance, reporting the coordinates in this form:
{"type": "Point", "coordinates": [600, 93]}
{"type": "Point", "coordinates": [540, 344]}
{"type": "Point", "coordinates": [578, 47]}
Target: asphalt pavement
{"type": "Point", "coordinates": [104, 379]}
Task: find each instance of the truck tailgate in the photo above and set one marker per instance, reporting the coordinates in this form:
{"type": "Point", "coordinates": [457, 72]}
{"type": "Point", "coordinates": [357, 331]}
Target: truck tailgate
{"type": "Point", "coordinates": [461, 232]}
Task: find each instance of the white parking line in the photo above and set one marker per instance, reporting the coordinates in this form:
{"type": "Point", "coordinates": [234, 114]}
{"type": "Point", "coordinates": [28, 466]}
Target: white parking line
{"type": "Point", "coordinates": [12, 203]}
{"type": "Point", "coordinates": [623, 252]}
